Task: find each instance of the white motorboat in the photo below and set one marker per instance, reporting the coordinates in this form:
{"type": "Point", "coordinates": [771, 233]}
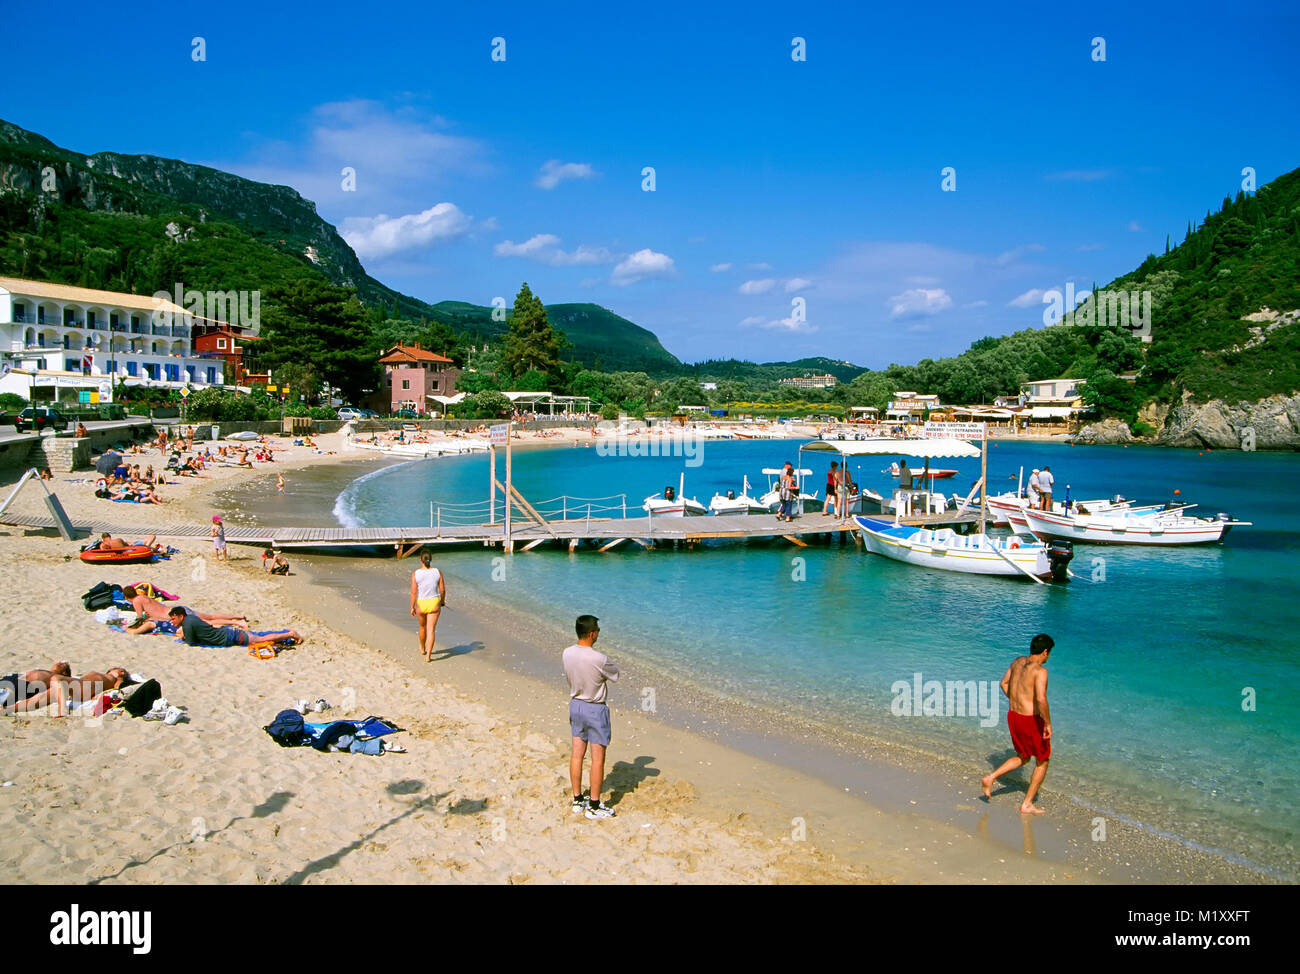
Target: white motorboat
{"type": "Point", "coordinates": [729, 503]}
{"type": "Point", "coordinates": [673, 503]}
{"type": "Point", "coordinates": [804, 502]}
{"type": "Point", "coordinates": [1009, 508]}
{"type": "Point", "coordinates": [1172, 527]}
{"type": "Point", "coordinates": [976, 554]}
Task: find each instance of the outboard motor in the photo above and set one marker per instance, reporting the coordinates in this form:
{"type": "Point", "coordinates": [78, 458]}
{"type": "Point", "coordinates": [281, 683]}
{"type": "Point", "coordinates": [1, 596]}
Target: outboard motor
{"type": "Point", "coordinates": [669, 494]}
{"type": "Point", "coordinates": [1059, 554]}
{"type": "Point", "coordinates": [731, 495]}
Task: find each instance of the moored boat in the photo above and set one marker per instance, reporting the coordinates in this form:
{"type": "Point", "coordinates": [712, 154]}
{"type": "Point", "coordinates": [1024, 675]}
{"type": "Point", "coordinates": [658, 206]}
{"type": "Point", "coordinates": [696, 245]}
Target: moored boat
{"type": "Point", "coordinates": [1131, 527]}
{"type": "Point", "coordinates": [975, 554]}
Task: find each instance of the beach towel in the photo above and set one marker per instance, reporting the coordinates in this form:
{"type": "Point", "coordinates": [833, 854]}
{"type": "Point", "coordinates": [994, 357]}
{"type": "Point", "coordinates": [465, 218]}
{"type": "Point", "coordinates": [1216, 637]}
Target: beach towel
{"type": "Point", "coordinates": [369, 727]}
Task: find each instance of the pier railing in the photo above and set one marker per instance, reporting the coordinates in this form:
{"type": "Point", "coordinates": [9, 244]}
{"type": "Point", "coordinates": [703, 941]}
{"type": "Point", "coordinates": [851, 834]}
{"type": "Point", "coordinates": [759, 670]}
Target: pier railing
{"type": "Point", "coordinates": [565, 507]}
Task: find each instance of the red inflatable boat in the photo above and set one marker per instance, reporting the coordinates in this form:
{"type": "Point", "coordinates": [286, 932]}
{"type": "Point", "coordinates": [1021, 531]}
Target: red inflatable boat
{"type": "Point", "coordinates": [117, 556]}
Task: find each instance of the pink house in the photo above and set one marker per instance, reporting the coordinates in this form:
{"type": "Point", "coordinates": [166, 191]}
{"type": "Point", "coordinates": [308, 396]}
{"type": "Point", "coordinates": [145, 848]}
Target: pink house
{"type": "Point", "coordinates": [412, 374]}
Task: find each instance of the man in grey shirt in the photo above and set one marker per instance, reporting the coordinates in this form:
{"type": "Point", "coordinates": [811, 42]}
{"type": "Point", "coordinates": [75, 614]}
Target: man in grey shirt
{"type": "Point", "coordinates": [1045, 481]}
{"type": "Point", "coordinates": [588, 672]}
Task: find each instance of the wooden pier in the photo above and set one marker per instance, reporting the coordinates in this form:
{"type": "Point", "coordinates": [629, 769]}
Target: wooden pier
{"type": "Point", "coordinates": [604, 534]}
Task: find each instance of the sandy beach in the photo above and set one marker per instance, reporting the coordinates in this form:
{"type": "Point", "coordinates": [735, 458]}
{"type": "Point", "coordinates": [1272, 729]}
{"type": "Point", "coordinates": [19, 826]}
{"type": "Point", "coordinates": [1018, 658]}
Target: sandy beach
{"type": "Point", "coordinates": [482, 794]}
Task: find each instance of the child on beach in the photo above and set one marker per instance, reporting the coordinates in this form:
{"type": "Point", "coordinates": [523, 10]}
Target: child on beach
{"type": "Point", "coordinates": [279, 483]}
{"type": "Point", "coordinates": [588, 672]}
{"type": "Point", "coordinates": [218, 538]}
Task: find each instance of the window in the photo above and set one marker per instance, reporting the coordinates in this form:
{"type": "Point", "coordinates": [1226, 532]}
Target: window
{"type": "Point", "coordinates": [20, 311]}
{"type": "Point", "coordinates": [221, 343]}
{"type": "Point", "coordinates": [132, 368]}
{"type": "Point", "coordinates": [406, 383]}
{"type": "Point", "coordinates": [212, 376]}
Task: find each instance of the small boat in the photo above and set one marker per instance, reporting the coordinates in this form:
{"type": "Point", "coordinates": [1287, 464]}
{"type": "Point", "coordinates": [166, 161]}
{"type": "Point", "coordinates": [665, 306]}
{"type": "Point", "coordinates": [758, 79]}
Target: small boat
{"type": "Point", "coordinates": [976, 554]}
{"type": "Point", "coordinates": [1145, 527]}
{"type": "Point", "coordinates": [1009, 508]}
{"type": "Point", "coordinates": [673, 503]}
{"type": "Point", "coordinates": [95, 555]}
{"type": "Point", "coordinates": [244, 435]}
{"type": "Point", "coordinates": [729, 503]}
{"type": "Point", "coordinates": [805, 502]}
{"type": "Point", "coordinates": [933, 473]}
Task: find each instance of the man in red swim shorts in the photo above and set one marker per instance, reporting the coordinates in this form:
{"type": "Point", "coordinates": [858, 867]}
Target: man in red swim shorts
{"type": "Point", "coordinates": [1028, 719]}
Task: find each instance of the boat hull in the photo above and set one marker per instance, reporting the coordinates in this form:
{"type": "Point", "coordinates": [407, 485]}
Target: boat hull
{"type": "Point", "coordinates": [1151, 531]}
{"type": "Point", "coordinates": [922, 548]}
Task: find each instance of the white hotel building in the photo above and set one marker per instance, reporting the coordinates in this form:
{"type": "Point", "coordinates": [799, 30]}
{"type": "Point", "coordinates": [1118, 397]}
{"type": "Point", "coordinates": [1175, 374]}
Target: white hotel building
{"type": "Point", "coordinates": [79, 338]}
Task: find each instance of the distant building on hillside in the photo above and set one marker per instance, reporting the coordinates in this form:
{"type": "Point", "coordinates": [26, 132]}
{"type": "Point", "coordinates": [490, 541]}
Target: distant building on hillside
{"type": "Point", "coordinates": [411, 376]}
{"type": "Point", "coordinates": [826, 381]}
{"type": "Point", "coordinates": [1052, 400]}
{"type": "Point", "coordinates": [709, 386]}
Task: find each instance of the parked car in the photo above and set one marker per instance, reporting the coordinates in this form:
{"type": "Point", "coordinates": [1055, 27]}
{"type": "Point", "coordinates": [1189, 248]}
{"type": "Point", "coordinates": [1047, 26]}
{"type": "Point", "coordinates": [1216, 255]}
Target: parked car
{"type": "Point", "coordinates": [405, 414]}
{"type": "Point", "coordinates": [39, 418]}
{"type": "Point", "coordinates": [369, 414]}
{"type": "Point", "coordinates": [348, 412]}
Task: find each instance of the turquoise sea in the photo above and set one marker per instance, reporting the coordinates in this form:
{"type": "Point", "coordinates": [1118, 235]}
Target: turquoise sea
{"type": "Point", "coordinates": [1173, 684]}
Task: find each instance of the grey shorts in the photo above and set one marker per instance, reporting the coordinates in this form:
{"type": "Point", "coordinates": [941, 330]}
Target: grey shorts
{"type": "Point", "coordinates": [589, 721]}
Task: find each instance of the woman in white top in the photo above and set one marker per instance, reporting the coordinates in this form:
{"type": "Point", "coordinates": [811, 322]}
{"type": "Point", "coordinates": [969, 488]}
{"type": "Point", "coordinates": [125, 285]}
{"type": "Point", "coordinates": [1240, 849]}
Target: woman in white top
{"type": "Point", "coordinates": [428, 596]}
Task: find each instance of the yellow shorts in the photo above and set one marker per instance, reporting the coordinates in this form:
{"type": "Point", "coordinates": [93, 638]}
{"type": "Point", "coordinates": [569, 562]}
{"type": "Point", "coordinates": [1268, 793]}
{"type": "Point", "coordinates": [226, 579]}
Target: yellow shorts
{"type": "Point", "coordinates": [428, 605]}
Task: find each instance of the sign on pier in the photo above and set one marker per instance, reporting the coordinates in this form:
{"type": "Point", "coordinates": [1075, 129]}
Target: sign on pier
{"type": "Point", "coordinates": [500, 434]}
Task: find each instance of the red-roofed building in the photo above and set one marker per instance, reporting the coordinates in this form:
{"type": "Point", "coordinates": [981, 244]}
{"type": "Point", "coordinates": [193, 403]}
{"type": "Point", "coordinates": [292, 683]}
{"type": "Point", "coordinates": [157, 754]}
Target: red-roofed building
{"type": "Point", "coordinates": [411, 375]}
{"type": "Point", "coordinates": [221, 342]}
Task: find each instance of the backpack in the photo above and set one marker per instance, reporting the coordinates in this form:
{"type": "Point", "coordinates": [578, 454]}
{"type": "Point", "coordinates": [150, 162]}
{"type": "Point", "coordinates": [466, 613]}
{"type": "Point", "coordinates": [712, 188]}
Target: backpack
{"type": "Point", "coordinates": [101, 596]}
{"type": "Point", "coordinates": [288, 729]}
{"type": "Point", "coordinates": [141, 699]}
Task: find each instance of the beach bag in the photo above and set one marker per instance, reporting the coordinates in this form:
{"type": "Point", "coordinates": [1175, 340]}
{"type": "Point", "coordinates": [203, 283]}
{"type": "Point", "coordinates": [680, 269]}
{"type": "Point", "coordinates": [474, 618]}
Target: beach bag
{"type": "Point", "coordinates": [287, 729]}
{"type": "Point", "coordinates": [101, 596]}
{"type": "Point", "coordinates": [141, 700]}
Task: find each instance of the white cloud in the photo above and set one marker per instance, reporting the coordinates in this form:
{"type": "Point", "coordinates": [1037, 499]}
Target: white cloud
{"type": "Point", "coordinates": [778, 324]}
{"type": "Point", "coordinates": [382, 235]}
{"type": "Point", "coordinates": [554, 172]}
{"type": "Point", "coordinates": [1134, 226]}
{"type": "Point", "coordinates": [757, 287]}
{"type": "Point", "coordinates": [796, 284]}
{"type": "Point", "coordinates": [1015, 253]}
{"type": "Point", "coordinates": [1084, 248]}
{"type": "Point", "coordinates": [919, 302]}
{"type": "Point", "coordinates": [640, 266]}
{"type": "Point", "coordinates": [760, 266]}
{"type": "Point", "coordinates": [400, 156]}
{"type": "Point", "coordinates": [1030, 298]}
{"type": "Point", "coordinates": [545, 248]}
{"type": "Point", "coordinates": [719, 268]}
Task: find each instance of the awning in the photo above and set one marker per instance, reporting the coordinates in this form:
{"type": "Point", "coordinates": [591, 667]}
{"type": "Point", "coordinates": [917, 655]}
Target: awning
{"type": "Point", "coordinates": [932, 449]}
{"type": "Point", "coordinates": [1052, 412]}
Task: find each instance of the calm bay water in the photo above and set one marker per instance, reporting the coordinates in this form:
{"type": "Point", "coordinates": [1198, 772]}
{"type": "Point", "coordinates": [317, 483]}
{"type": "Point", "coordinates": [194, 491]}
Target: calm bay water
{"type": "Point", "coordinates": [1156, 649]}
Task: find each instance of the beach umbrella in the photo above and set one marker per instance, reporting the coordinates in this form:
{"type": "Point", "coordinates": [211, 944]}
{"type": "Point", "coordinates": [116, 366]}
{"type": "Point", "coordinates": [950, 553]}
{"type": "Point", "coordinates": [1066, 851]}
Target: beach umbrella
{"type": "Point", "coordinates": [108, 461]}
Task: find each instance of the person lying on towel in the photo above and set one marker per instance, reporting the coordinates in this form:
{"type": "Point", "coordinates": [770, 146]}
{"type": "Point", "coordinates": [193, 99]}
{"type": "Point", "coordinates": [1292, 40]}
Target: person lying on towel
{"type": "Point", "coordinates": [155, 611]}
{"type": "Point", "coordinates": [18, 687]}
{"type": "Point", "coordinates": [196, 632]}
{"type": "Point", "coordinates": [64, 690]}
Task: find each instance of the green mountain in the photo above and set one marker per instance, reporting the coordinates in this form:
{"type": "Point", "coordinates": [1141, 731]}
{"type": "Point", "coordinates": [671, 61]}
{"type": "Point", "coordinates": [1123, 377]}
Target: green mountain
{"type": "Point", "coordinates": [770, 372]}
{"type": "Point", "coordinates": [141, 223]}
{"type": "Point", "coordinates": [600, 338]}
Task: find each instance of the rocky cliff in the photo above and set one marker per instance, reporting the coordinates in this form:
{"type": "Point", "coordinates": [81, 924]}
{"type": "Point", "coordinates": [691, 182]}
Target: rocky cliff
{"type": "Point", "coordinates": [1270, 424]}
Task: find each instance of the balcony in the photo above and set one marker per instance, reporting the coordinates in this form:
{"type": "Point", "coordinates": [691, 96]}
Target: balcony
{"type": "Point", "coordinates": [25, 319]}
{"type": "Point", "coordinates": [180, 331]}
{"type": "Point", "coordinates": [119, 327]}
{"type": "Point", "coordinates": [73, 323]}
{"type": "Point", "coordinates": [139, 329]}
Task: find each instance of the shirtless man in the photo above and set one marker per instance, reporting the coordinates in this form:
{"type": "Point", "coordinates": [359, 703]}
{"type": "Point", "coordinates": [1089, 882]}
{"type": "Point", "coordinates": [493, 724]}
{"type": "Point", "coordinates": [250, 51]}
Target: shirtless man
{"type": "Point", "coordinates": [21, 686]}
{"type": "Point", "coordinates": [108, 542]}
{"type": "Point", "coordinates": [155, 611]}
{"type": "Point", "coordinates": [1029, 720]}
{"type": "Point", "coordinates": [65, 689]}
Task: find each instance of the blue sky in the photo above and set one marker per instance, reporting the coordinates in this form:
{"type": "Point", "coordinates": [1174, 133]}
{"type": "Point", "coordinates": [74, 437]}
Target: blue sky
{"type": "Point", "coordinates": [775, 180]}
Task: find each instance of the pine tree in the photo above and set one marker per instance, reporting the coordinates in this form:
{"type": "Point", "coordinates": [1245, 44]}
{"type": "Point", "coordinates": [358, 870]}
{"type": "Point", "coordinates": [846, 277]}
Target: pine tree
{"type": "Point", "coordinates": [531, 343]}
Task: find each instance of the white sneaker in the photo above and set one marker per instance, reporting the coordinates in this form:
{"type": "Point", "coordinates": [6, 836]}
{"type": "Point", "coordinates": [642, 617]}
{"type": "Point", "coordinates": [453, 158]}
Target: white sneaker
{"type": "Point", "coordinates": [173, 716]}
{"type": "Point", "coordinates": [599, 810]}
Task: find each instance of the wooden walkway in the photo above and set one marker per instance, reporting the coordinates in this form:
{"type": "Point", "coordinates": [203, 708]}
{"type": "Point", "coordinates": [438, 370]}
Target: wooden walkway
{"type": "Point", "coordinates": [604, 532]}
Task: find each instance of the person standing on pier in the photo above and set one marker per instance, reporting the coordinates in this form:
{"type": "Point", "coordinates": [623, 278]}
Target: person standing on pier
{"type": "Point", "coordinates": [428, 596]}
{"type": "Point", "coordinates": [832, 505]}
{"type": "Point", "coordinates": [1045, 481]}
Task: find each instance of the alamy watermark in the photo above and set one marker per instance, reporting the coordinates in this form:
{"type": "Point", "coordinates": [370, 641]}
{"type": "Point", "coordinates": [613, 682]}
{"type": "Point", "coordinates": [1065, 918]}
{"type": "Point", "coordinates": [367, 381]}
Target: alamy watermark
{"type": "Point", "coordinates": [678, 442]}
{"type": "Point", "coordinates": [1104, 309]}
{"type": "Point", "coordinates": [242, 309]}
{"type": "Point", "coordinates": [954, 698]}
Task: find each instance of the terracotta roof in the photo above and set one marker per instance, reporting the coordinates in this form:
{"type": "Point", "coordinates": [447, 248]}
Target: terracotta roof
{"type": "Point", "coordinates": [411, 353]}
{"type": "Point", "coordinates": [85, 295]}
